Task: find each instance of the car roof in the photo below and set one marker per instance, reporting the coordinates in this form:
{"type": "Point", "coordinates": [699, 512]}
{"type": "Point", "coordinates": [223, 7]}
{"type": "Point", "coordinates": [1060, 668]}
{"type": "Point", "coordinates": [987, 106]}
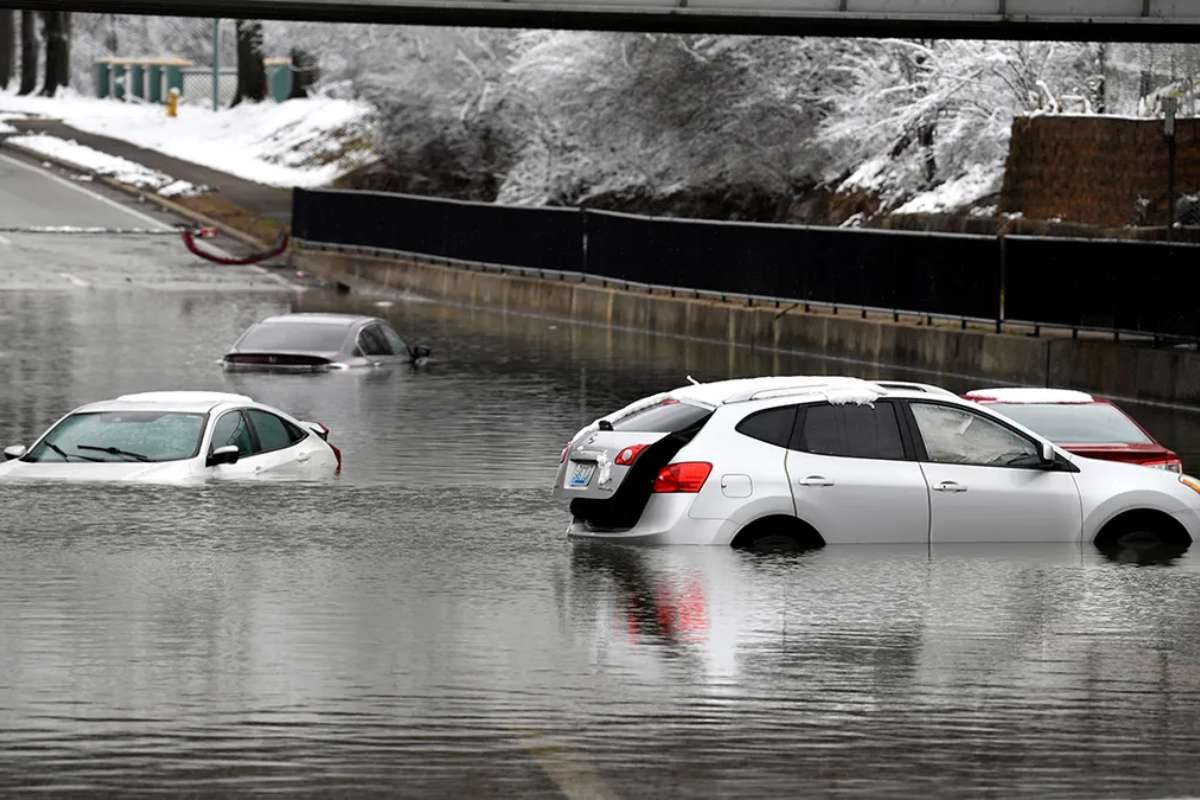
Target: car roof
{"type": "Point", "coordinates": [838, 389]}
{"type": "Point", "coordinates": [188, 402]}
{"type": "Point", "coordinates": [340, 320]}
{"type": "Point", "coordinates": [1032, 396]}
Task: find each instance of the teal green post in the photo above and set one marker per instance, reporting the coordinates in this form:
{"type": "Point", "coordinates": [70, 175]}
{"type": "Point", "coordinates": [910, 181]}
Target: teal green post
{"type": "Point", "coordinates": [137, 77]}
{"type": "Point", "coordinates": [102, 84]}
{"type": "Point", "coordinates": [280, 81]}
{"type": "Point", "coordinates": [154, 78]}
{"type": "Point", "coordinates": [175, 79]}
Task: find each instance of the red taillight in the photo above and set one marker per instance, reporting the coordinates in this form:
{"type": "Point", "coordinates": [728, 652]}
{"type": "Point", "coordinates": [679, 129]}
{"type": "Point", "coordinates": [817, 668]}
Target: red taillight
{"type": "Point", "coordinates": [686, 478]}
{"type": "Point", "coordinates": [324, 434]}
{"type": "Point", "coordinates": [563, 456]}
{"type": "Point", "coordinates": [630, 454]}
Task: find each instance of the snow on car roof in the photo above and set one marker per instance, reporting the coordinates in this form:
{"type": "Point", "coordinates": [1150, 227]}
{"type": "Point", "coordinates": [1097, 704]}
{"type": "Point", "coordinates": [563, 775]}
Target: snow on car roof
{"type": "Point", "coordinates": [1031, 395]}
{"type": "Point", "coordinates": [318, 319]}
{"type": "Point", "coordinates": [848, 390]}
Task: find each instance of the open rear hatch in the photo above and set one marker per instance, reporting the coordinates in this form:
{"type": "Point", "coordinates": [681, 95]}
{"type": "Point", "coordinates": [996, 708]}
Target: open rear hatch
{"type": "Point", "coordinates": [609, 473]}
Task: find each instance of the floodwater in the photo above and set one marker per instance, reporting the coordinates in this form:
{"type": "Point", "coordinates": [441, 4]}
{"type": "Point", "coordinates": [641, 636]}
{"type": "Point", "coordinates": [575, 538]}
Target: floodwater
{"type": "Point", "coordinates": [421, 627]}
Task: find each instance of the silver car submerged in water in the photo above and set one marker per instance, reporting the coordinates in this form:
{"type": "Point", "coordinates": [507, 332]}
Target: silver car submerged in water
{"type": "Point", "coordinates": [320, 342]}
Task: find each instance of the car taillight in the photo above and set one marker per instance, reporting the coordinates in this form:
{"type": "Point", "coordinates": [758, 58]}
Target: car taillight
{"type": "Point", "coordinates": [566, 449]}
{"type": "Point", "coordinates": [686, 478]}
{"type": "Point", "coordinates": [337, 453]}
{"type": "Point", "coordinates": [630, 454]}
{"type": "Point", "coordinates": [1170, 465]}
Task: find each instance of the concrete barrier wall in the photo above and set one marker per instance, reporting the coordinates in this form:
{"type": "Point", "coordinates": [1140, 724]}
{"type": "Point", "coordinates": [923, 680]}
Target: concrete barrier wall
{"type": "Point", "coordinates": [1105, 367]}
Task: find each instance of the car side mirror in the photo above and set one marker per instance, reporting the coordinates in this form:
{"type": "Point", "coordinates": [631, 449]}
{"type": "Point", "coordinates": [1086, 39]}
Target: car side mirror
{"type": "Point", "coordinates": [224, 455]}
{"type": "Point", "coordinates": [1049, 457]}
{"type": "Point", "coordinates": [419, 352]}
{"type": "Point", "coordinates": [15, 452]}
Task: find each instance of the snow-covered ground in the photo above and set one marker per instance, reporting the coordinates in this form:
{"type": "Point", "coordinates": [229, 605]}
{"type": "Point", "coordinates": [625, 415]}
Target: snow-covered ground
{"type": "Point", "coordinates": [306, 142]}
{"type": "Point", "coordinates": [979, 182]}
{"type": "Point", "coordinates": [119, 169]}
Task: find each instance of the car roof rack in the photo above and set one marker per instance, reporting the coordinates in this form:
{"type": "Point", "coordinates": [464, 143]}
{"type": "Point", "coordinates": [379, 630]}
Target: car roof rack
{"type": "Point", "coordinates": [925, 388]}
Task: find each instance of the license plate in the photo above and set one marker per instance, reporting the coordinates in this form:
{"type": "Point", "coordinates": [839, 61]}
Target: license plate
{"type": "Point", "coordinates": [579, 474]}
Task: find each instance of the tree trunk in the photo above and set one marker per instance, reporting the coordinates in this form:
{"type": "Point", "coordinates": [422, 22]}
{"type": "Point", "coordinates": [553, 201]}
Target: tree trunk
{"type": "Point", "coordinates": [29, 52]}
{"type": "Point", "coordinates": [8, 44]}
{"type": "Point", "coordinates": [251, 74]}
{"type": "Point", "coordinates": [57, 55]}
{"type": "Point", "coordinates": [305, 72]}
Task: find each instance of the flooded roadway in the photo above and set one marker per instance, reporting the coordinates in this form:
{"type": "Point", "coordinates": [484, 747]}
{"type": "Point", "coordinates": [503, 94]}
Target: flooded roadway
{"type": "Point", "coordinates": [420, 627]}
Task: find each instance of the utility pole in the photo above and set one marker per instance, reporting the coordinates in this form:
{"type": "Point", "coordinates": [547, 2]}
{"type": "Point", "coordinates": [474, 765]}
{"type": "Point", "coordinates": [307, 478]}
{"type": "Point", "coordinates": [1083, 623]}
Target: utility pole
{"type": "Point", "coordinates": [216, 65]}
{"type": "Point", "coordinates": [1171, 106]}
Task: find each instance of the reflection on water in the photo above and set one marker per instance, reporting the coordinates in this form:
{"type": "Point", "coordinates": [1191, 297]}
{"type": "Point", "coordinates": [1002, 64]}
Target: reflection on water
{"type": "Point", "coordinates": [420, 627]}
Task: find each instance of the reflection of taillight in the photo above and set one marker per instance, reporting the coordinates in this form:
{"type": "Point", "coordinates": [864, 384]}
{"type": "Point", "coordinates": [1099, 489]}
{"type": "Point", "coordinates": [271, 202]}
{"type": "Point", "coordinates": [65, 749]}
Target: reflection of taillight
{"type": "Point", "coordinates": [630, 454]}
{"type": "Point", "coordinates": [686, 478]}
{"type": "Point", "coordinates": [1170, 465]}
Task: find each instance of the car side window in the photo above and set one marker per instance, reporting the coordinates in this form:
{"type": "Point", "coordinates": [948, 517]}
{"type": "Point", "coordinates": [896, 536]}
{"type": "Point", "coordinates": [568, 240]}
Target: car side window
{"type": "Point", "coordinates": [773, 426]}
{"type": "Point", "coordinates": [958, 436]}
{"type": "Point", "coordinates": [373, 343]}
{"type": "Point", "coordinates": [231, 429]}
{"type": "Point", "coordinates": [850, 431]}
{"type": "Point", "coordinates": [394, 341]}
{"type": "Point", "coordinates": [272, 431]}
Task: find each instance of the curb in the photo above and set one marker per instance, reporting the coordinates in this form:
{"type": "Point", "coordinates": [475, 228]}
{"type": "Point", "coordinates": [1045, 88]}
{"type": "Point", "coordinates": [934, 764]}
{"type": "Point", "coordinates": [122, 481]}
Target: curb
{"type": "Point", "coordinates": [142, 195]}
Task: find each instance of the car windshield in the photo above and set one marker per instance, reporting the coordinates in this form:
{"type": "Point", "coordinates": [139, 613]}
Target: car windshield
{"type": "Point", "coordinates": [669, 416]}
{"type": "Point", "coordinates": [295, 336]}
{"type": "Point", "coordinates": [122, 436]}
{"type": "Point", "coordinates": [1076, 423]}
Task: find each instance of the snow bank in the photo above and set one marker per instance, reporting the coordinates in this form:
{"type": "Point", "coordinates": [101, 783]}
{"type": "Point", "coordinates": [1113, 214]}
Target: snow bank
{"type": "Point", "coordinates": [980, 181]}
{"type": "Point", "coordinates": [119, 169]}
{"type": "Point", "coordinates": [306, 142]}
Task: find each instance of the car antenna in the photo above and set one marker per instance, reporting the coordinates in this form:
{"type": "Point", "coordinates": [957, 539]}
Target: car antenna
{"type": "Point", "coordinates": [693, 381]}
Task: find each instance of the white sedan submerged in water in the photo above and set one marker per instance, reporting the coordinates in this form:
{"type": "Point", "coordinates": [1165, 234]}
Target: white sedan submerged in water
{"type": "Point", "coordinates": [176, 437]}
{"type": "Point", "coordinates": [805, 462]}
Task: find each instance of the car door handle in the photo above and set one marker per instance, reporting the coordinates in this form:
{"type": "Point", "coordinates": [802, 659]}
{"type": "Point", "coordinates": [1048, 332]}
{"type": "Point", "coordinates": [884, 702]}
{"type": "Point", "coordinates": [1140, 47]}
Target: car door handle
{"type": "Point", "coordinates": [950, 487]}
{"type": "Point", "coordinates": [304, 457]}
{"type": "Point", "coordinates": [816, 481]}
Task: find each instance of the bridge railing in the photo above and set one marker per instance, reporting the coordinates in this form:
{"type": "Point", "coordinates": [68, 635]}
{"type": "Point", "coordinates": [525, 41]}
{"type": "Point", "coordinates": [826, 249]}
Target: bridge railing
{"type": "Point", "coordinates": [1138, 288]}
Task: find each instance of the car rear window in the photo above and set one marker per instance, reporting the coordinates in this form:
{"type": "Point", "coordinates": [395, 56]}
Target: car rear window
{"type": "Point", "coordinates": [306, 337]}
{"type": "Point", "coordinates": [1076, 423]}
{"type": "Point", "coordinates": [773, 426]}
{"type": "Point", "coordinates": [851, 431]}
{"type": "Point", "coordinates": [669, 416]}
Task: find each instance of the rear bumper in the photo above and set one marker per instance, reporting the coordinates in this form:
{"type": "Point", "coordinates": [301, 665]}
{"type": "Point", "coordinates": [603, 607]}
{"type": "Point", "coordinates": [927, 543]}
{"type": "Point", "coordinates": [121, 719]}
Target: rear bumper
{"type": "Point", "coordinates": [664, 521]}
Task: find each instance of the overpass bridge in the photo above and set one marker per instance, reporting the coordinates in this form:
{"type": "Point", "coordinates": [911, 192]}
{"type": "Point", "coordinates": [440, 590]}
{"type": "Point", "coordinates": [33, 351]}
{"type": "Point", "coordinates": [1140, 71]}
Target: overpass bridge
{"type": "Point", "coordinates": [1079, 20]}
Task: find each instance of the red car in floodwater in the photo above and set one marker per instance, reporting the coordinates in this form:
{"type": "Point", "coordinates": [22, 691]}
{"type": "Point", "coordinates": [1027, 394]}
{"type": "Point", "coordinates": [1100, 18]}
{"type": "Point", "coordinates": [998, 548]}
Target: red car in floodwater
{"type": "Point", "coordinates": [1088, 426]}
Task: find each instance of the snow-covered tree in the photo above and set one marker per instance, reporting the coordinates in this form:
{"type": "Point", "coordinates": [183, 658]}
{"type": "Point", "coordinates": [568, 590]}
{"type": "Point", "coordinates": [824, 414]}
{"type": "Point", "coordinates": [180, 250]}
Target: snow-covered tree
{"type": "Point", "coordinates": [657, 113]}
{"type": "Point", "coordinates": [913, 114]}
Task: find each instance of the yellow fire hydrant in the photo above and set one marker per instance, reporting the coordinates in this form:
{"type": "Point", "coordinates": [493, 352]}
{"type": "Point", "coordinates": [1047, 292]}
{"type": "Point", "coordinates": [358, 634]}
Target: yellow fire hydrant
{"type": "Point", "coordinates": [172, 102]}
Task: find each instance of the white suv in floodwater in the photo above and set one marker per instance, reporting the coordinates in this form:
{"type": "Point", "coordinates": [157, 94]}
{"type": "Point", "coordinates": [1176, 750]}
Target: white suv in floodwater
{"type": "Point", "coordinates": [811, 461]}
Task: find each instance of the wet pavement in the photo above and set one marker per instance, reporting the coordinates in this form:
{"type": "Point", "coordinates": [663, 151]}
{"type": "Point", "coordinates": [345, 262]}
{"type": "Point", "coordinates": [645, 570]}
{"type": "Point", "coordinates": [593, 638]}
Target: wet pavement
{"type": "Point", "coordinates": [420, 626]}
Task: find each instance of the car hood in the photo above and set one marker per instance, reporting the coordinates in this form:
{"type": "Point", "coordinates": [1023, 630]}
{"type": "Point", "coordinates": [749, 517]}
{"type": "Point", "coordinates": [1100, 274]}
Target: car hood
{"type": "Point", "coordinates": [169, 472]}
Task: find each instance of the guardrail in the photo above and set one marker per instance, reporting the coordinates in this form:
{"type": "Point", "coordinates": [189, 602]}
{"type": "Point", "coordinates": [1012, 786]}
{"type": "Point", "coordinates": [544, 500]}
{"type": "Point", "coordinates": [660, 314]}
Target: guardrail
{"type": "Point", "coordinates": [1122, 287]}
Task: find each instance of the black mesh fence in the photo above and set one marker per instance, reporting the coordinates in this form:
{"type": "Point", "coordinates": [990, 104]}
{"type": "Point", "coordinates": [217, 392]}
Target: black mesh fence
{"type": "Point", "coordinates": [545, 238]}
{"type": "Point", "coordinates": [1141, 287]}
{"type": "Point", "coordinates": [951, 275]}
{"type": "Point", "coordinates": [1074, 283]}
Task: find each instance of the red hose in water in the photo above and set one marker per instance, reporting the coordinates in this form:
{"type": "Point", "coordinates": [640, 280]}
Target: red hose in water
{"type": "Point", "coordinates": [280, 245]}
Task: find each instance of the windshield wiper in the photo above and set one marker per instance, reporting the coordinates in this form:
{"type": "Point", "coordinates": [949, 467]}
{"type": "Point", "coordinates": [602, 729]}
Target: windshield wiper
{"type": "Point", "coordinates": [112, 451]}
{"type": "Point", "coordinates": [67, 456]}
